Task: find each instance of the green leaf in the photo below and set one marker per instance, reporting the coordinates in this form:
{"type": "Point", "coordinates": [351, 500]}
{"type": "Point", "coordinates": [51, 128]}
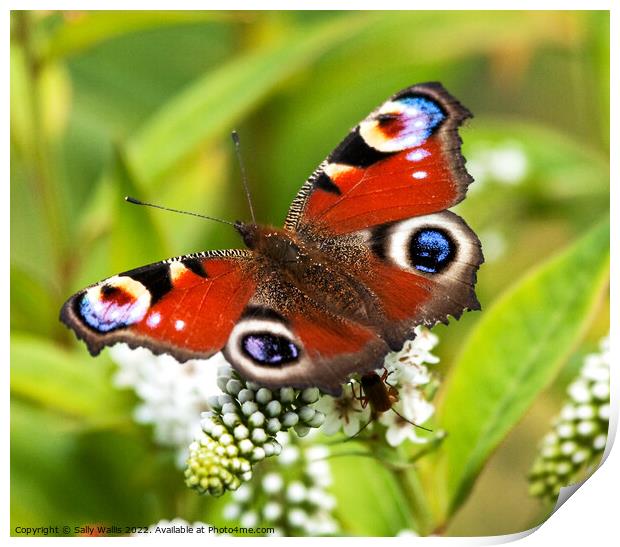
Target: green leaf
{"type": "Point", "coordinates": [211, 105]}
{"type": "Point", "coordinates": [65, 382]}
{"type": "Point", "coordinates": [375, 506]}
{"type": "Point", "coordinates": [93, 27]}
{"type": "Point", "coordinates": [32, 307]}
{"type": "Point", "coordinates": [135, 239]}
{"type": "Point", "coordinates": [64, 475]}
{"type": "Point", "coordinates": [513, 353]}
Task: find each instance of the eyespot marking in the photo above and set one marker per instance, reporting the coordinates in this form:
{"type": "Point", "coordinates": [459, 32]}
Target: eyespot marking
{"type": "Point", "coordinates": [118, 302]}
{"type": "Point", "coordinates": [431, 250]}
{"type": "Point", "coordinates": [402, 123]}
{"type": "Point", "coordinates": [266, 348]}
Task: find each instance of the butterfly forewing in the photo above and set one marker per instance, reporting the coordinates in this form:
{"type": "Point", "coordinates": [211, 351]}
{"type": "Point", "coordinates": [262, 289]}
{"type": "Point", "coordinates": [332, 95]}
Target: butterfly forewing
{"type": "Point", "coordinates": [402, 160]}
{"type": "Point", "coordinates": [185, 306]}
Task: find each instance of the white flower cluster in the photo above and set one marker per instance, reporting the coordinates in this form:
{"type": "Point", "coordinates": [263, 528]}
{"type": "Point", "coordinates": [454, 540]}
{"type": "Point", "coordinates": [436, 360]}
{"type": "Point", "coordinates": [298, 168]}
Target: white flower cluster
{"type": "Point", "coordinates": [409, 375]}
{"type": "Point", "coordinates": [241, 430]}
{"type": "Point", "coordinates": [290, 496]}
{"type": "Point", "coordinates": [579, 433]}
{"type": "Point", "coordinates": [172, 394]}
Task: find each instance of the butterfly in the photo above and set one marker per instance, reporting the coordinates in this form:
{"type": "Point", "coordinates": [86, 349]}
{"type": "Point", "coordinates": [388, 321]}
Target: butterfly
{"type": "Point", "coordinates": [367, 252]}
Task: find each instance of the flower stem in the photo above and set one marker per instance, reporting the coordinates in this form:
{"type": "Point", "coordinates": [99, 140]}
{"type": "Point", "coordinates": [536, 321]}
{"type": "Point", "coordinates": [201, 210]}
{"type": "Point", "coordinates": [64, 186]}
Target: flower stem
{"type": "Point", "coordinates": [409, 484]}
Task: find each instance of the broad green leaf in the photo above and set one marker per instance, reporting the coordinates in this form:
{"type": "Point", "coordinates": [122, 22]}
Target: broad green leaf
{"type": "Point", "coordinates": [370, 502]}
{"type": "Point", "coordinates": [513, 353]}
{"type": "Point", "coordinates": [61, 474]}
{"type": "Point", "coordinates": [65, 382]}
{"type": "Point", "coordinates": [212, 104]}
{"type": "Point", "coordinates": [82, 31]}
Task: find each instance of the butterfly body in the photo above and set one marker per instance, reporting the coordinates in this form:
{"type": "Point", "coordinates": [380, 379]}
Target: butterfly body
{"type": "Point", "coordinates": [367, 252]}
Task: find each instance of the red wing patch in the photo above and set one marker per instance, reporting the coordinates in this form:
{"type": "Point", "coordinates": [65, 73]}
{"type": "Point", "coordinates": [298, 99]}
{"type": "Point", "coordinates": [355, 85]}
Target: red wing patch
{"type": "Point", "coordinates": [198, 314]}
{"type": "Point", "coordinates": [411, 183]}
{"type": "Point", "coordinates": [185, 306]}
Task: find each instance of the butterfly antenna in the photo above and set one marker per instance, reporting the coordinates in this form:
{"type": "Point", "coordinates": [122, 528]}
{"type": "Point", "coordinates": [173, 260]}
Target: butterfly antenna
{"type": "Point", "coordinates": [410, 422]}
{"type": "Point", "coordinates": [244, 179]}
{"type": "Point", "coordinates": [138, 202]}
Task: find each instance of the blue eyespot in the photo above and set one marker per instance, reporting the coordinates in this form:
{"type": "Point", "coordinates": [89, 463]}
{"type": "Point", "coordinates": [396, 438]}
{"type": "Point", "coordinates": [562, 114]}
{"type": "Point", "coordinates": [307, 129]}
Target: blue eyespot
{"type": "Point", "coordinates": [430, 250]}
{"type": "Point", "coordinates": [430, 114]}
{"type": "Point", "coordinates": [99, 317]}
{"type": "Point", "coordinates": [269, 349]}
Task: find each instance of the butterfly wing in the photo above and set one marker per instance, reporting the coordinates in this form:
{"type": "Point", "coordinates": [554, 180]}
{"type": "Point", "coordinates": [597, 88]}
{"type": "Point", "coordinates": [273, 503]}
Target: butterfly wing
{"type": "Point", "coordinates": [361, 297]}
{"type": "Point", "coordinates": [185, 306]}
{"type": "Point", "coordinates": [422, 270]}
{"type": "Point", "coordinates": [301, 346]}
{"type": "Point", "coordinates": [401, 161]}
{"type": "Point", "coordinates": [382, 196]}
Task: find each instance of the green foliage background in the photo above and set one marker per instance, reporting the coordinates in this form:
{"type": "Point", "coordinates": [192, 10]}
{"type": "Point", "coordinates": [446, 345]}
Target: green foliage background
{"type": "Point", "coordinates": [105, 104]}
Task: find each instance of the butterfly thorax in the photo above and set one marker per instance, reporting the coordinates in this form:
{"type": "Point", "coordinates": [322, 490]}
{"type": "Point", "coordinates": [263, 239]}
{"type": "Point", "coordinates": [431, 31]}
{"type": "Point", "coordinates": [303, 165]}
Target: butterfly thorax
{"type": "Point", "coordinates": [291, 261]}
{"type": "Point", "coordinates": [272, 243]}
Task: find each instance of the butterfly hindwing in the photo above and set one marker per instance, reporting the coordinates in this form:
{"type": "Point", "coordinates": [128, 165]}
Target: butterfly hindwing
{"type": "Point", "coordinates": [184, 306]}
{"type": "Point", "coordinates": [422, 270]}
{"type": "Point", "coordinates": [403, 160]}
{"type": "Point", "coordinates": [301, 347]}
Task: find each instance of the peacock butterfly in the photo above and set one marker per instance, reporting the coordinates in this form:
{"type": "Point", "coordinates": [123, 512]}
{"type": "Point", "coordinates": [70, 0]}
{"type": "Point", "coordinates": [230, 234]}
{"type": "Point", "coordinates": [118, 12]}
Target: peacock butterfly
{"type": "Point", "coordinates": [367, 252]}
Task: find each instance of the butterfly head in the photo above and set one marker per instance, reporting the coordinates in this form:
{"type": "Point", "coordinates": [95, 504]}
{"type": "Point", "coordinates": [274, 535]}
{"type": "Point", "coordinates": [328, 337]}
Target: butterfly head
{"type": "Point", "coordinates": [249, 233]}
{"type": "Point", "coordinates": [273, 243]}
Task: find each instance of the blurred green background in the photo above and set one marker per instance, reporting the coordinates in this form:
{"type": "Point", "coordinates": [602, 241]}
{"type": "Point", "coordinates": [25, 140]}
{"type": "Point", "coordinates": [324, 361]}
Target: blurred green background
{"type": "Point", "coordinates": [105, 104]}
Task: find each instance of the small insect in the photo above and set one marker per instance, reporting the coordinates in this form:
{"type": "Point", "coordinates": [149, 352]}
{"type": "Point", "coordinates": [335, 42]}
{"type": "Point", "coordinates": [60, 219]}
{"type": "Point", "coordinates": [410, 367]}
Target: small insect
{"type": "Point", "coordinates": [380, 395]}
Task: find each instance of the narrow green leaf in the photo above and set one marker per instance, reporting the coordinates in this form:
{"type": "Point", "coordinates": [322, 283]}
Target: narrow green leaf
{"type": "Point", "coordinates": [213, 103]}
{"type": "Point", "coordinates": [64, 382]}
{"type": "Point", "coordinates": [135, 239]}
{"type": "Point", "coordinates": [513, 353]}
{"type": "Point", "coordinates": [32, 307]}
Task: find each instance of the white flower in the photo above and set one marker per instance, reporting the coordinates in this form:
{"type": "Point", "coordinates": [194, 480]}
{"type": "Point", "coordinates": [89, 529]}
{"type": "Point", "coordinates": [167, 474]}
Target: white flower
{"type": "Point", "coordinates": [344, 412]}
{"type": "Point", "coordinates": [272, 483]}
{"type": "Point", "coordinates": [579, 432]}
{"type": "Point", "coordinates": [231, 511]}
{"type": "Point", "coordinates": [289, 455]}
{"type": "Point", "coordinates": [296, 492]}
{"type": "Point", "coordinates": [407, 372]}
{"type": "Point", "coordinates": [416, 409]}
{"type": "Point", "coordinates": [505, 163]}
{"type": "Point", "coordinates": [249, 519]}
{"type": "Point", "coordinates": [242, 494]}
{"type": "Point", "coordinates": [272, 511]}
{"type": "Point", "coordinates": [508, 164]}
{"type": "Point", "coordinates": [407, 365]}
{"type": "Point", "coordinates": [297, 517]}
{"type": "Point", "coordinates": [295, 501]}
{"type": "Point", "coordinates": [173, 394]}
